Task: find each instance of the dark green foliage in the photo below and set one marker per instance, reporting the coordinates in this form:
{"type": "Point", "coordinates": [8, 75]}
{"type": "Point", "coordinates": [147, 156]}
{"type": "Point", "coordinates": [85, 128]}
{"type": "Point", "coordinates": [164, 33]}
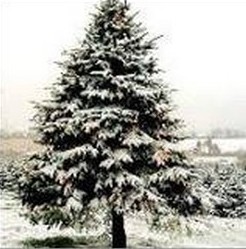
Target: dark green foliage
{"type": "Point", "coordinates": [230, 189]}
{"type": "Point", "coordinates": [226, 185]}
{"type": "Point", "coordinates": [66, 242]}
{"type": "Point", "coordinates": [53, 242]}
{"type": "Point", "coordinates": [10, 172]}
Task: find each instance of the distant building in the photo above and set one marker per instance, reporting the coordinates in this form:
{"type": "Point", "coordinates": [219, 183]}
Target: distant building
{"type": "Point", "coordinates": [207, 147]}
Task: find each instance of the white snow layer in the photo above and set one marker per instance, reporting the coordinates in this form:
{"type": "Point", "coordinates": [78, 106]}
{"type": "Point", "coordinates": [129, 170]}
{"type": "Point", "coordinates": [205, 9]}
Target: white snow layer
{"type": "Point", "coordinates": [177, 231]}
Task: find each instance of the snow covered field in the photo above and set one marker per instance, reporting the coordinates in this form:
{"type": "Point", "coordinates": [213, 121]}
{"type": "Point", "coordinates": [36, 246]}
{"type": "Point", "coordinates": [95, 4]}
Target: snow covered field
{"type": "Point", "coordinates": [192, 232]}
{"type": "Point", "coordinates": [226, 145]}
{"type": "Point", "coordinates": [14, 228]}
{"type": "Point", "coordinates": [178, 232]}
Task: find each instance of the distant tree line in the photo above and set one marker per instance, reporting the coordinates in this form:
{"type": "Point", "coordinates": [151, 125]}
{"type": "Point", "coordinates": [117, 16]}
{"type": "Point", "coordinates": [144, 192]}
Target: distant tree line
{"type": "Point", "coordinates": [227, 133]}
{"type": "Point", "coordinates": [217, 133]}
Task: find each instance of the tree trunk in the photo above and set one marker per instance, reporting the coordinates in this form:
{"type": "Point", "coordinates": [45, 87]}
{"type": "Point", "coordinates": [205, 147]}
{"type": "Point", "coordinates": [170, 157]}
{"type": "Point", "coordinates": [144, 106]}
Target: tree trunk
{"type": "Point", "coordinates": [118, 231]}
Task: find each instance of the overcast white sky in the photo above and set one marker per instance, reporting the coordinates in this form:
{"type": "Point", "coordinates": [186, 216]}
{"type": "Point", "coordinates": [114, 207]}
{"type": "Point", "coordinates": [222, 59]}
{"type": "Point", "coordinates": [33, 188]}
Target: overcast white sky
{"type": "Point", "coordinates": [203, 52]}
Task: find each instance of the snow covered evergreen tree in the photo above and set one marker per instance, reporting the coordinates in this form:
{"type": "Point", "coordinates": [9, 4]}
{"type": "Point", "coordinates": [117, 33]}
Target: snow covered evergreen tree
{"type": "Point", "coordinates": [229, 189]}
{"type": "Point", "coordinates": [108, 131]}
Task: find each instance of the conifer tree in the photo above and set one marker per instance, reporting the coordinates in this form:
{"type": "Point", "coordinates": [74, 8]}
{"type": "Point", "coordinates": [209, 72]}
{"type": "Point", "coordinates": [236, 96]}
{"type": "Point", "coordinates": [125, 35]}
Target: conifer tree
{"type": "Point", "coordinates": [108, 131]}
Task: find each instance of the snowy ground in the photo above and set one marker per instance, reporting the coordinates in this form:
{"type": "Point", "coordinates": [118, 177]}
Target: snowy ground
{"type": "Point", "coordinates": [14, 228]}
{"type": "Point", "coordinates": [226, 145]}
{"type": "Point", "coordinates": [222, 160]}
{"type": "Point", "coordinates": [178, 232]}
{"type": "Point", "coordinates": [195, 232]}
